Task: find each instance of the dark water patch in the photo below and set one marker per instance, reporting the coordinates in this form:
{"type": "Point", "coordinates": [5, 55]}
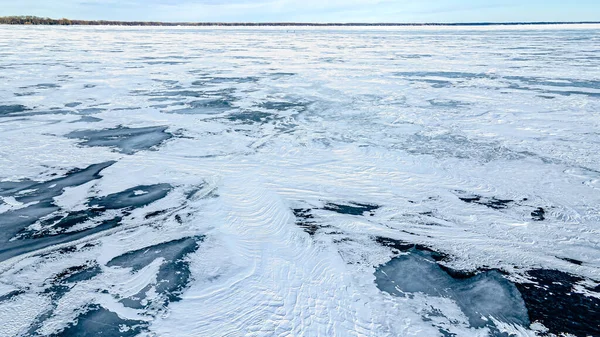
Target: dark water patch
{"type": "Point", "coordinates": [550, 299]}
{"type": "Point", "coordinates": [10, 109]}
{"type": "Point", "coordinates": [481, 296]}
{"type": "Point", "coordinates": [538, 214]}
{"type": "Point", "coordinates": [173, 275]}
{"type": "Point", "coordinates": [98, 321]}
{"type": "Point", "coordinates": [134, 197]}
{"type": "Point", "coordinates": [351, 208]}
{"type": "Point", "coordinates": [126, 140]}
{"type": "Point", "coordinates": [89, 86]}
{"type": "Point", "coordinates": [72, 104]}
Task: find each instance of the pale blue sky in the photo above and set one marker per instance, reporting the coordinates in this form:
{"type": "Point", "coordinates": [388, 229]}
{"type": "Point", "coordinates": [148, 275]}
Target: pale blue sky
{"type": "Point", "coordinates": [311, 10]}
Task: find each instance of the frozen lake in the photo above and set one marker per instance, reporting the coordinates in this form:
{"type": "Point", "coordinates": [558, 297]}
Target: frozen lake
{"type": "Point", "coordinates": [294, 181]}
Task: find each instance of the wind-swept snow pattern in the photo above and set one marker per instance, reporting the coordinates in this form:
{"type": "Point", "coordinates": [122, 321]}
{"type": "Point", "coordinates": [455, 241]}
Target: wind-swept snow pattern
{"type": "Point", "coordinates": [433, 181]}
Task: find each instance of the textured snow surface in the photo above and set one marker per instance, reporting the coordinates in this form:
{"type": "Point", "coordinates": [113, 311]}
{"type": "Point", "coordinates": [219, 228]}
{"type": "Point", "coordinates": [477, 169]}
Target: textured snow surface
{"type": "Point", "coordinates": [299, 182]}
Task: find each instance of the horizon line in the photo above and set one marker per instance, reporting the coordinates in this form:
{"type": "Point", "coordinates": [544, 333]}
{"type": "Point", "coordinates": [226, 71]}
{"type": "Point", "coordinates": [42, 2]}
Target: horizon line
{"type": "Point", "coordinates": [66, 21]}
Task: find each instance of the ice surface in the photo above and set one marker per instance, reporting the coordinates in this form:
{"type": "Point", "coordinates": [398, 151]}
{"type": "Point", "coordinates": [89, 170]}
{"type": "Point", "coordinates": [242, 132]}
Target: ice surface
{"type": "Point", "coordinates": [293, 153]}
{"type": "Point", "coordinates": [481, 297]}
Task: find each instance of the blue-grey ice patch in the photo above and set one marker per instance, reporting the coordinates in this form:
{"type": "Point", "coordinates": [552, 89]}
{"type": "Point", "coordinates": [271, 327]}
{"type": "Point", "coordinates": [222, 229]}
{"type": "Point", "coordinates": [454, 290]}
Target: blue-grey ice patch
{"type": "Point", "coordinates": [178, 93]}
{"type": "Point", "coordinates": [173, 275]}
{"type": "Point", "coordinates": [206, 106]}
{"type": "Point", "coordinates": [283, 105]}
{"type": "Point", "coordinates": [250, 117]}
{"type": "Point", "coordinates": [55, 226]}
{"type": "Point", "coordinates": [98, 321]}
{"type": "Point", "coordinates": [23, 111]}
{"type": "Point", "coordinates": [126, 140]}
{"type": "Point", "coordinates": [90, 111]}
{"type": "Point", "coordinates": [10, 109]}
{"type": "Point", "coordinates": [39, 196]}
{"type": "Point", "coordinates": [459, 146]}
{"type": "Point", "coordinates": [42, 86]}
{"type": "Point", "coordinates": [447, 103]}
{"type": "Point", "coordinates": [87, 119]}
{"type": "Point", "coordinates": [219, 80]}
{"type": "Point", "coordinates": [480, 297]}
{"type": "Point", "coordinates": [78, 273]}
{"type": "Point", "coordinates": [27, 191]}
{"type": "Point", "coordinates": [135, 197]}
{"type": "Point", "coordinates": [563, 86]}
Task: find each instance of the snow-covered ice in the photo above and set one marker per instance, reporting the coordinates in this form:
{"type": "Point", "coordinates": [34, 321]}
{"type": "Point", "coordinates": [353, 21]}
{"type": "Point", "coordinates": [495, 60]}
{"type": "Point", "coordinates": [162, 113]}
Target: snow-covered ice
{"type": "Point", "coordinates": [380, 181]}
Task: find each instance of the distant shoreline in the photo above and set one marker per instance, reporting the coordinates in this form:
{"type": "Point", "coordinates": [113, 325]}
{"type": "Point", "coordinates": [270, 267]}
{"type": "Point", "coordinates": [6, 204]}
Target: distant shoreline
{"type": "Point", "coordinates": [32, 20]}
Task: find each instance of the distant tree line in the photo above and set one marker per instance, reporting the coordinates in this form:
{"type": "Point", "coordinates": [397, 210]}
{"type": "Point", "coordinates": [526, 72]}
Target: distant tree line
{"type": "Point", "coordinates": [34, 20]}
